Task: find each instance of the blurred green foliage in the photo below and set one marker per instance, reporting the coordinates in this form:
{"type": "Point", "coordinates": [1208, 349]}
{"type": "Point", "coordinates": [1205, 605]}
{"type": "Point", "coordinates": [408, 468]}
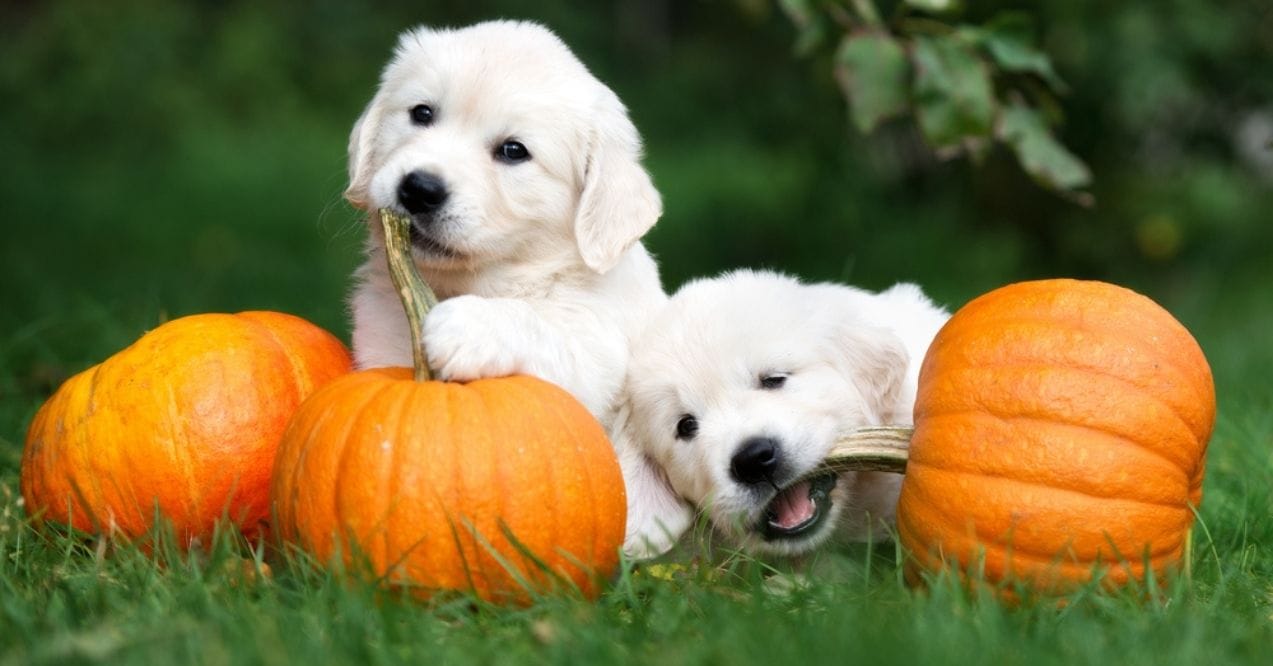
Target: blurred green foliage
{"type": "Point", "coordinates": [966, 85]}
{"type": "Point", "coordinates": [166, 158]}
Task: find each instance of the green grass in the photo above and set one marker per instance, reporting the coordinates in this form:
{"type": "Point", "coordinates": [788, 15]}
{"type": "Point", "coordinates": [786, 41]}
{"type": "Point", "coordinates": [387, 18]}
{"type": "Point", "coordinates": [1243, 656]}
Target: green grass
{"type": "Point", "coordinates": [67, 600]}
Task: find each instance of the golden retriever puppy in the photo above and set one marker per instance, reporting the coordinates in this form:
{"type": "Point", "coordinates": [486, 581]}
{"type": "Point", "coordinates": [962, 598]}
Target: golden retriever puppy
{"type": "Point", "coordinates": [737, 391]}
{"type": "Point", "coordinates": [521, 173]}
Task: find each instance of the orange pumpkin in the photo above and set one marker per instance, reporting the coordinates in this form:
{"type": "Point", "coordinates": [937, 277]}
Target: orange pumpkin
{"type": "Point", "coordinates": [186, 420]}
{"type": "Point", "coordinates": [448, 486]}
{"type": "Point", "coordinates": [1060, 433]}
{"type": "Point", "coordinates": [501, 487]}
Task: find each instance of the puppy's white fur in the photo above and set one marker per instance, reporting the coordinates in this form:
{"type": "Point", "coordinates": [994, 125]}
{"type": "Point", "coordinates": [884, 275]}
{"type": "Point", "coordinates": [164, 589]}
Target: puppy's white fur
{"type": "Point", "coordinates": [542, 271]}
{"type": "Point", "coordinates": [851, 359]}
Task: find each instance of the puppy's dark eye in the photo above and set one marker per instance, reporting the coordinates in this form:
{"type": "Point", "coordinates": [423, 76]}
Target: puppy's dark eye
{"type": "Point", "coordinates": [687, 427]}
{"type": "Point", "coordinates": [422, 115]}
{"type": "Point", "coordinates": [772, 381]}
{"type": "Point", "coordinates": [512, 152]}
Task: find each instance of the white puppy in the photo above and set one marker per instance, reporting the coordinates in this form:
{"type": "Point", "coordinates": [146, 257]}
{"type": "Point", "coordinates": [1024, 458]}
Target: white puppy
{"type": "Point", "coordinates": [522, 175]}
{"type": "Point", "coordinates": [739, 388]}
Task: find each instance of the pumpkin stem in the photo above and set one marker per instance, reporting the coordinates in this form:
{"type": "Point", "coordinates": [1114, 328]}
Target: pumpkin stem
{"type": "Point", "coordinates": [417, 297]}
{"type": "Point", "coordinates": [871, 449]}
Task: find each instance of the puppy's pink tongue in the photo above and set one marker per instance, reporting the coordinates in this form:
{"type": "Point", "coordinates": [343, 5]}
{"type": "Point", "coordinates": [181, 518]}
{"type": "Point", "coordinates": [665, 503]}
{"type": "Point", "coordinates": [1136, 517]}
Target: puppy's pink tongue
{"type": "Point", "coordinates": [792, 507]}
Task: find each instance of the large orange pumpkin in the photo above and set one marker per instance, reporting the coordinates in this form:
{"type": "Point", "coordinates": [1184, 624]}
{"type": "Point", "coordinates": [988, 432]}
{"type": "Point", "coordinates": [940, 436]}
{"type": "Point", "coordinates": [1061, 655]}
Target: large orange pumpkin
{"type": "Point", "coordinates": [1060, 433]}
{"type": "Point", "coordinates": [500, 487]}
{"type": "Point", "coordinates": [449, 486]}
{"type": "Point", "coordinates": [186, 420]}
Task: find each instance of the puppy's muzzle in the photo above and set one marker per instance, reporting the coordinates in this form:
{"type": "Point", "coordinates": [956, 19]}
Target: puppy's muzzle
{"type": "Point", "coordinates": [756, 461]}
{"type": "Point", "coordinates": [421, 194]}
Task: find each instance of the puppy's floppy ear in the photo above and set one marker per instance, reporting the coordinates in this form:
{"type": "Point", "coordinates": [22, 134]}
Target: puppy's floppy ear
{"type": "Point", "coordinates": [657, 516]}
{"type": "Point", "coordinates": [618, 203]}
{"type": "Point", "coordinates": [361, 140]}
{"type": "Point", "coordinates": [875, 360]}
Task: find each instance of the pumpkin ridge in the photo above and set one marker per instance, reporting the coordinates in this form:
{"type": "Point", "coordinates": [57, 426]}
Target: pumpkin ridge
{"type": "Point", "coordinates": [79, 434]}
{"type": "Point", "coordinates": [178, 431]}
{"type": "Point", "coordinates": [351, 542]}
{"type": "Point", "coordinates": [550, 478]}
{"type": "Point", "coordinates": [1179, 336]}
{"type": "Point", "coordinates": [465, 525]}
{"type": "Point", "coordinates": [955, 337]}
{"type": "Point", "coordinates": [456, 530]}
{"type": "Point", "coordinates": [485, 546]}
{"type": "Point", "coordinates": [987, 412]}
{"type": "Point", "coordinates": [597, 547]}
{"type": "Point", "coordinates": [1114, 570]}
{"type": "Point", "coordinates": [93, 465]}
{"type": "Point", "coordinates": [90, 401]}
{"type": "Point", "coordinates": [381, 529]}
{"type": "Point", "coordinates": [982, 407]}
{"type": "Point", "coordinates": [396, 556]}
{"type": "Point", "coordinates": [285, 489]}
{"type": "Point", "coordinates": [580, 464]}
{"type": "Point", "coordinates": [400, 545]}
{"type": "Point", "coordinates": [553, 479]}
{"type": "Point", "coordinates": [986, 539]}
{"type": "Point", "coordinates": [97, 463]}
{"type": "Point", "coordinates": [65, 401]}
{"type": "Point", "coordinates": [83, 477]}
{"type": "Point", "coordinates": [317, 425]}
{"type": "Point", "coordinates": [300, 374]}
{"type": "Point", "coordinates": [528, 568]}
{"type": "Point", "coordinates": [1148, 390]}
{"type": "Point", "coordinates": [1061, 565]}
{"type": "Point", "coordinates": [986, 536]}
{"type": "Point", "coordinates": [1038, 484]}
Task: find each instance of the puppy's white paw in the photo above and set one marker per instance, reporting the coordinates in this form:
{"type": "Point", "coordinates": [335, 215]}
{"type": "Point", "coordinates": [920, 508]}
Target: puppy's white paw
{"type": "Point", "coordinates": [470, 337]}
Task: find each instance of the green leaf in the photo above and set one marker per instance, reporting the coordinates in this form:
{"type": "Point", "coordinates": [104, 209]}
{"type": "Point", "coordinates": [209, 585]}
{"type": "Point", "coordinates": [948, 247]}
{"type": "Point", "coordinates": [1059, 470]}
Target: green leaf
{"type": "Point", "coordinates": [934, 6]}
{"type": "Point", "coordinates": [810, 24]}
{"type": "Point", "coordinates": [1009, 39]}
{"type": "Point", "coordinates": [872, 69]}
{"type": "Point", "coordinates": [1041, 155]}
{"type": "Point", "coordinates": [799, 11]}
{"type": "Point", "coordinates": [954, 99]}
{"type": "Point", "coordinates": [811, 38]}
{"type": "Point", "coordinates": [867, 12]}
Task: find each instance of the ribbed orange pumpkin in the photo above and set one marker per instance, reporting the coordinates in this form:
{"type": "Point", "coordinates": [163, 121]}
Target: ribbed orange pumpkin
{"type": "Point", "coordinates": [428, 480]}
{"type": "Point", "coordinates": [187, 420]}
{"type": "Point", "coordinates": [1060, 431]}
{"type": "Point", "coordinates": [501, 487]}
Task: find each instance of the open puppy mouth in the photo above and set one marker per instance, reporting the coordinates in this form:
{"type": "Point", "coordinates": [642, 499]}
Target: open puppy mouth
{"type": "Point", "coordinates": [799, 509]}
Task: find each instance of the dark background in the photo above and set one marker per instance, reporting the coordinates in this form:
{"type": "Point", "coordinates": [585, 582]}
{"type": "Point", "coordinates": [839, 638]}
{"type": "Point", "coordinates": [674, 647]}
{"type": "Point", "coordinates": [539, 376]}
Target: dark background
{"type": "Point", "coordinates": [159, 159]}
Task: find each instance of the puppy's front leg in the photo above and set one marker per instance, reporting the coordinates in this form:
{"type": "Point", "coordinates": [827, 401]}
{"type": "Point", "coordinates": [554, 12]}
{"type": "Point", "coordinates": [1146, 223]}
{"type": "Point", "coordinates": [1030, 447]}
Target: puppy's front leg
{"type": "Point", "coordinates": [471, 337]}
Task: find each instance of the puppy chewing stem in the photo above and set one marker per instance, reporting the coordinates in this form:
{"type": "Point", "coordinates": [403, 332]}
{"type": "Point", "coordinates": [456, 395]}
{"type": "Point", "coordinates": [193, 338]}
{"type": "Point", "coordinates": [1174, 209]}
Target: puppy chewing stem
{"type": "Point", "coordinates": [874, 449]}
{"type": "Point", "coordinates": [417, 297]}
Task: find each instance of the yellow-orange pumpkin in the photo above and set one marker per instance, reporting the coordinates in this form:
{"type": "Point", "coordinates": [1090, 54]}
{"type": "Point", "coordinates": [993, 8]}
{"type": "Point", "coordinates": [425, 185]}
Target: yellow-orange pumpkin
{"type": "Point", "coordinates": [427, 481]}
{"type": "Point", "coordinates": [1060, 432]}
{"type": "Point", "coordinates": [500, 487]}
{"type": "Point", "coordinates": [186, 420]}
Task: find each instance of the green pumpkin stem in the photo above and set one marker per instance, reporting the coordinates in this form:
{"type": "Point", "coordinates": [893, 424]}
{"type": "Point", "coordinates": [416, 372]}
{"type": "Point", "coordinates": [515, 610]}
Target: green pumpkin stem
{"type": "Point", "coordinates": [871, 449]}
{"type": "Point", "coordinates": [417, 297]}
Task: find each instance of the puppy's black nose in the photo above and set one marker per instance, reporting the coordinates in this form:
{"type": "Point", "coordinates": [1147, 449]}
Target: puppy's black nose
{"type": "Point", "coordinates": [755, 461]}
{"type": "Point", "coordinates": [421, 192]}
